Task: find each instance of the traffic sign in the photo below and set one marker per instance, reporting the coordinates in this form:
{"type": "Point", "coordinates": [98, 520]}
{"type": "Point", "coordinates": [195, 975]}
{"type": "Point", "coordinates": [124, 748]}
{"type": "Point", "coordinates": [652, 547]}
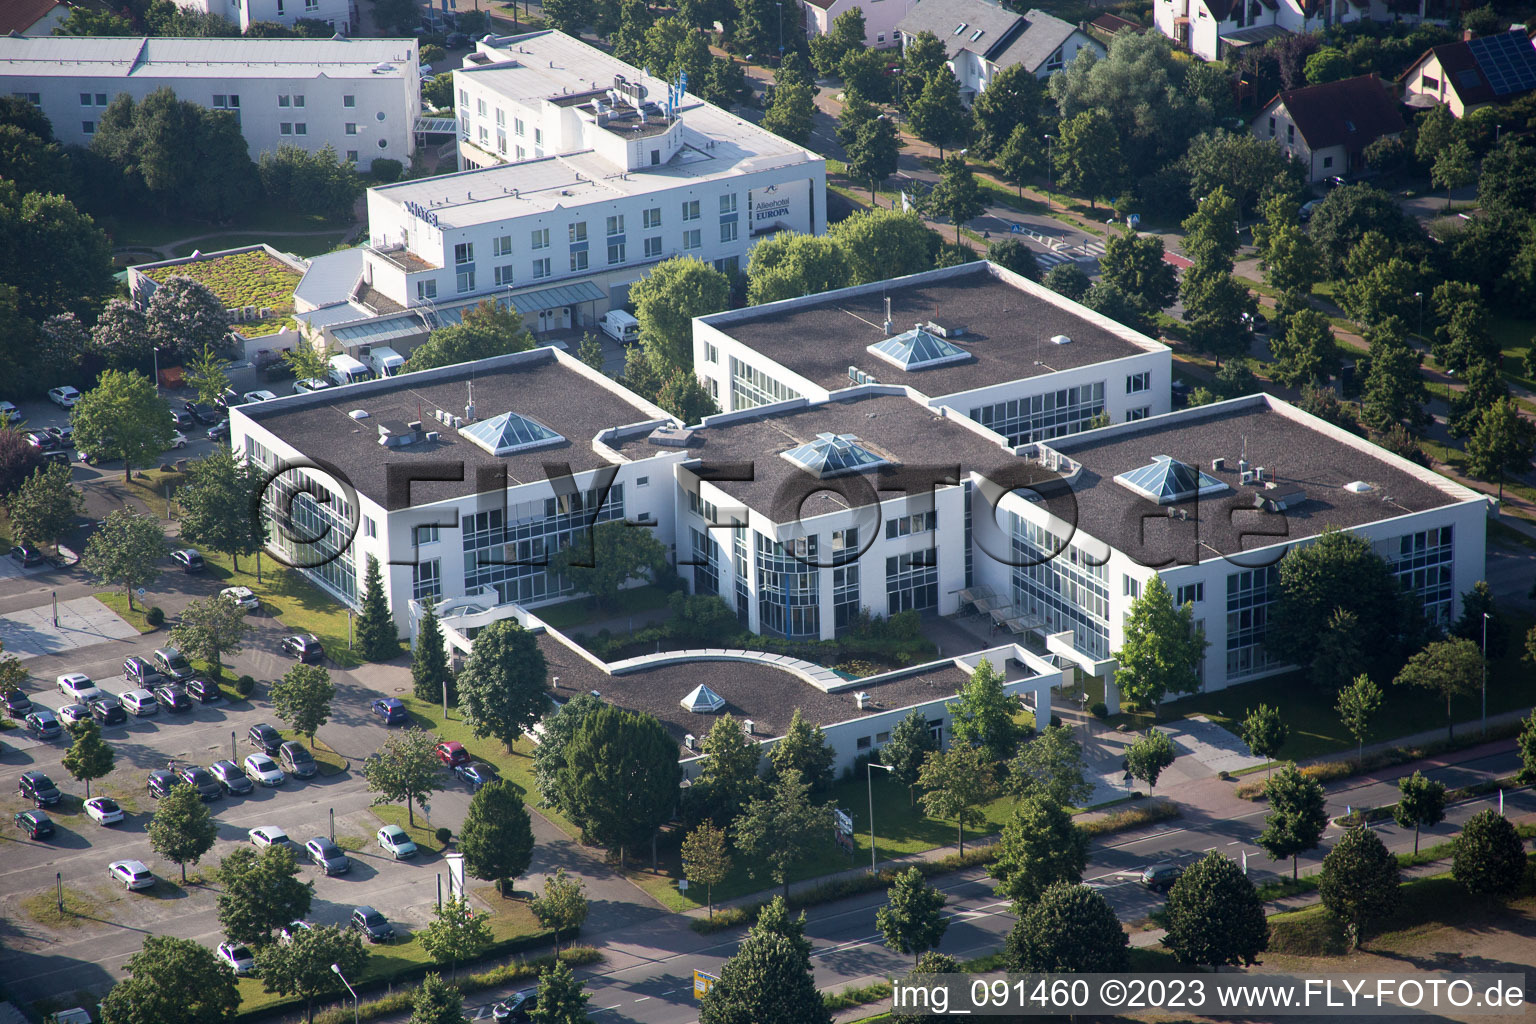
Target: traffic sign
{"type": "Point", "coordinates": [844, 822]}
{"type": "Point", "coordinates": [141, 591]}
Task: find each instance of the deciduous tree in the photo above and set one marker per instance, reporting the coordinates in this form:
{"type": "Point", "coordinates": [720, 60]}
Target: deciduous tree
{"type": "Point", "coordinates": [1011, 101]}
{"type": "Point", "coordinates": [767, 981]}
{"type": "Point", "coordinates": [1490, 856]}
{"type": "Point", "coordinates": [209, 628]}
{"type": "Point", "coordinates": [1264, 732]}
{"type": "Point", "coordinates": [785, 265]}
{"type": "Point", "coordinates": [436, 1001]}
{"type": "Point", "coordinates": [404, 768]}
{"type": "Point", "coordinates": [1162, 650]}
{"type": "Point", "coordinates": [1448, 668]}
{"type": "Point", "coordinates": [558, 727]}
{"type": "Point", "coordinates": [1502, 443]}
{"type": "Point", "coordinates": [497, 836]}
{"type": "Point", "coordinates": [910, 744]}
{"type": "Point", "coordinates": [791, 113]}
{"type": "Point", "coordinates": [667, 299]}
{"type": "Point", "coordinates": [874, 150]}
{"type": "Point", "coordinates": [501, 687]}
{"type": "Point", "coordinates": [184, 318]}
{"type": "Point", "coordinates": [219, 506]}
{"type": "Point", "coordinates": [1146, 758]}
{"type": "Point", "coordinates": [1357, 705]}
{"type": "Point", "coordinates": [1088, 156]}
{"type": "Point", "coordinates": [1296, 818]}
{"type": "Point", "coordinates": [89, 756]}
{"type": "Point", "coordinates": [880, 244]}
{"type": "Point", "coordinates": [182, 830]}
{"type": "Point", "coordinates": [1070, 929]}
{"type": "Point", "coordinates": [983, 714]}
{"type": "Point", "coordinates": [172, 981]}
{"type": "Point", "coordinates": [124, 551]}
{"type": "Point", "coordinates": [1360, 882]}
{"type": "Point", "coordinates": [1526, 741]}
{"type": "Point", "coordinates": [1215, 917]}
{"type": "Point", "coordinates": [602, 561]}
{"type": "Point", "coordinates": [121, 336]}
{"type": "Point", "coordinates": [706, 859]}
{"type": "Point", "coordinates": [956, 783]}
{"type": "Point", "coordinates": [207, 374]}
{"type": "Point", "coordinates": [562, 906]}
{"type": "Point", "coordinates": [728, 777]}
{"type": "Point", "coordinates": [302, 966]}
{"type": "Point", "coordinates": [456, 933]}
{"type": "Point", "coordinates": [483, 331]}
{"type": "Point", "coordinates": [912, 920]}
{"type": "Point", "coordinates": [1050, 764]}
{"type": "Point", "coordinates": [44, 506]}
{"type": "Point", "coordinates": [804, 749]}
{"type": "Point", "coordinates": [1134, 263]}
{"type": "Point", "coordinates": [936, 115]}
{"type": "Point", "coordinates": [782, 827]}
{"type": "Point", "coordinates": [123, 418]}
{"type": "Point", "coordinates": [302, 698]}
{"type": "Point", "coordinates": [621, 778]}
{"type": "Point", "coordinates": [1421, 801]}
{"type": "Point", "coordinates": [1039, 846]}
{"type": "Point", "coordinates": [562, 998]}
{"type": "Point", "coordinates": [1012, 254]}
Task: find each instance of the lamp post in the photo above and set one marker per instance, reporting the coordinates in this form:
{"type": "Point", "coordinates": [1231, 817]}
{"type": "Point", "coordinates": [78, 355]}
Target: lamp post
{"type": "Point", "coordinates": [344, 981]}
{"type": "Point", "coordinates": [1420, 297]}
{"type": "Point", "coordinates": [1050, 173]}
{"type": "Point", "coordinates": [869, 777]}
{"type": "Point", "coordinates": [780, 6]}
{"type": "Point", "coordinates": [1485, 674]}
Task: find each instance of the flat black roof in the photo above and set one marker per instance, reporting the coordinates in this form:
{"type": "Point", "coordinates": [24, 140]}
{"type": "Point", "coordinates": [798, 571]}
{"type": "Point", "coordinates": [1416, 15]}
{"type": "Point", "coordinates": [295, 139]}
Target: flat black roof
{"type": "Point", "coordinates": [923, 448]}
{"type": "Point", "coordinates": [1294, 455]}
{"type": "Point", "coordinates": [535, 385]}
{"type": "Point", "coordinates": [1007, 331]}
{"type": "Point", "coordinates": [755, 690]}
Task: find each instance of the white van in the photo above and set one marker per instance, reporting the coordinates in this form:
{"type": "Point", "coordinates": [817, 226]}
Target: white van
{"type": "Point", "coordinates": [346, 370]}
{"type": "Point", "coordinates": [384, 361]}
{"type": "Point", "coordinates": [620, 326]}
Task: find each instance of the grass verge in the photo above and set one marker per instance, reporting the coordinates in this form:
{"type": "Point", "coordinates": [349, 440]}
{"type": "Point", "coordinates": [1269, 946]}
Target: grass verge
{"type": "Point", "coordinates": [118, 602]}
{"type": "Point", "coordinates": [423, 833]}
{"type": "Point", "coordinates": [288, 595]}
{"type": "Point", "coordinates": [856, 995]}
{"type": "Point", "coordinates": [1132, 817]}
{"type": "Point", "coordinates": [81, 908]}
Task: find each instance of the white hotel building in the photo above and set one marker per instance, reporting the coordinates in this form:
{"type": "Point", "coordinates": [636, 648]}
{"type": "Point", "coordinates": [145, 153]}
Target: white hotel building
{"type": "Point", "coordinates": [359, 96]}
{"type": "Point", "coordinates": [583, 178]}
{"type": "Point", "coordinates": [340, 15]}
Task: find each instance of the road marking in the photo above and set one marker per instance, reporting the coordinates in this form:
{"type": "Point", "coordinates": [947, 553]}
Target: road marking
{"type": "Point", "coordinates": [642, 999]}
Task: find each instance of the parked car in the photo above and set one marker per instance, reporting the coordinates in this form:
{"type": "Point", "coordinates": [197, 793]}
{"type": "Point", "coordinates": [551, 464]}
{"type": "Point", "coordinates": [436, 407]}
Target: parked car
{"type": "Point", "coordinates": [64, 397]}
{"type": "Point", "coordinates": [297, 761]}
{"type": "Point", "coordinates": [42, 724]}
{"type": "Point", "coordinates": [28, 555]}
{"type": "Point", "coordinates": [264, 770]}
{"type": "Point", "coordinates": [259, 396]}
{"type": "Point", "coordinates": [188, 558]}
{"type": "Point", "coordinates": [35, 824]}
{"type": "Point", "coordinates": [104, 810]}
{"type": "Point", "coordinates": [517, 1009]}
{"type": "Point", "coordinates": [42, 440]}
{"type": "Point", "coordinates": [1161, 877]}
{"type": "Point", "coordinates": [39, 789]}
{"type": "Point", "coordinates": [140, 703]}
{"type": "Point", "coordinates": [238, 956]}
{"type": "Point", "coordinates": [304, 646]}
{"type": "Point", "coordinates": [202, 412]}
{"type": "Point", "coordinates": [182, 420]}
{"type": "Point", "coordinates": [456, 41]}
{"type": "Point", "coordinates": [477, 774]}
{"type": "Point", "coordinates": [173, 698]}
{"type": "Point", "coordinates": [15, 704]}
{"type": "Point", "coordinates": [201, 780]}
{"type": "Point", "coordinates": [1305, 213]}
{"type": "Point", "coordinates": [141, 673]}
{"type": "Point", "coordinates": [132, 873]}
{"type": "Point", "coordinates": [172, 664]}
{"type": "Point", "coordinates": [327, 856]}
{"type": "Point", "coordinates": [77, 686]}
{"type": "Point", "coordinates": [452, 753]}
{"type": "Point", "coordinates": [9, 413]}
{"type": "Point", "coordinates": [162, 782]}
{"type": "Point", "coordinates": [308, 384]}
{"type": "Point", "coordinates": [178, 440]}
{"type": "Point", "coordinates": [233, 781]}
{"type": "Point", "coordinates": [374, 926]}
{"type": "Point", "coordinates": [203, 690]}
{"type": "Point", "coordinates": [70, 714]}
{"type": "Point", "coordinates": [64, 435]}
{"type": "Point", "coordinates": [291, 932]}
{"type": "Point", "coordinates": [268, 835]}
{"type": "Point", "coordinates": [228, 398]}
{"type": "Point", "coordinates": [219, 431]}
{"type": "Point", "coordinates": [394, 841]}
{"type": "Point", "coordinates": [391, 710]}
{"type": "Point", "coordinates": [108, 710]}
{"type": "Point", "coordinates": [264, 737]}
{"type": "Point", "coordinates": [243, 597]}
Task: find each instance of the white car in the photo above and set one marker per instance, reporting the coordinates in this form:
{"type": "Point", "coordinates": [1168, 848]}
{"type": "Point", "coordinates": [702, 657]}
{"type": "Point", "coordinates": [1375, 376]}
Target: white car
{"type": "Point", "coordinates": [268, 835]}
{"type": "Point", "coordinates": [64, 397]}
{"type": "Point", "coordinates": [291, 932]}
{"type": "Point", "coordinates": [238, 956]}
{"type": "Point", "coordinates": [104, 811]}
{"type": "Point", "coordinates": [261, 768]}
{"type": "Point", "coordinates": [243, 597]}
{"type": "Point", "coordinates": [79, 688]}
{"type": "Point", "coordinates": [178, 440]}
{"type": "Point", "coordinates": [259, 396]}
{"type": "Point", "coordinates": [132, 873]}
{"type": "Point", "coordinates": [308, 384]}
{"type": "Point", "coordinates": [394, 841]}
{"type": "Point", "coordinates": [140, 703]}
{"type": "Point", "coordinates": [70, 714]}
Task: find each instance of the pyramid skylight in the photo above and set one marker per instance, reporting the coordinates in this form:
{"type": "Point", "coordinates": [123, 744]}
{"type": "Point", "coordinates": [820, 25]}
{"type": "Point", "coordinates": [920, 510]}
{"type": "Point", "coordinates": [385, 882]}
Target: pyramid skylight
{"type": "Point", "coordinates": [509, 433]}
{"type": "Point", "coordinates": [1166, 481]}
{"type": "Point", "coordinates": [831, 454]}
{"type": "Point", "coordinates": [702, 701]}
{"type": "Point", "coordinates": [919, 349]}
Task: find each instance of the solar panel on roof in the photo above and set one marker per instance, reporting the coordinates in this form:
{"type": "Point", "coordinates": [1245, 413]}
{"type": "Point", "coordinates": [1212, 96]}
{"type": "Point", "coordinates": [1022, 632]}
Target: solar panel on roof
{"type": "Point", "coordinates": [1508, 61]}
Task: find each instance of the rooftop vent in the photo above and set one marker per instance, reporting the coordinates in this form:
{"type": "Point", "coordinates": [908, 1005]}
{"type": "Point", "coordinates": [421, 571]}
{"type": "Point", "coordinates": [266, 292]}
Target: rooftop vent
{"type": "Point", "coordinates": [861, 699]}
{"type": "Point", "coordinates": [1218, 464]}
{"type": "Point", "coordinates": [1166, 480]}
{"type": "Point", "coordinates": [688, 740]}
{"type": "Point", "coordinates": [956, 331]}
{"type": "Point", "coordinates": [1358, 487]}
{"type": "Point", "coordinates": [1060, 339]}
{"type": "Point", "coordinates": [703, 701]}
{"type": "Point", "coordinates": [671, 437]}
{"type": "Point", "coordinates": [358, 414]}
{"type": "Point", "coordinates": [749, 725]}
{"type": "Point", "coordinates": [397, 435]}
{"type": "Point", "coordinates": [919, 349]}
{"type": "Point", "coordinates": [1288, 499]}
{"type": "Point", "coordinates": [510, 432]}
{"type": "Point", "coordinates": [833, 454]}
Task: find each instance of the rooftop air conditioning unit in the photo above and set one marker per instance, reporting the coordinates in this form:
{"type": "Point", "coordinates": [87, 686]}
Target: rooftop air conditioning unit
{"type": "Point", "coordinates": [749, 725]}
{"type": "Point", "coordinates": [688, 740]}
{"type": "Point", "coordinates": [1217, 465]}
{"type": "Point", "coordinates": [861, 699]}
{"type": "Point", "coordinates": [432, 435]}
{"type": "Point", "coordinates": [1258, 473]}
{"type": "Point", "coordinates": [1245, 477]}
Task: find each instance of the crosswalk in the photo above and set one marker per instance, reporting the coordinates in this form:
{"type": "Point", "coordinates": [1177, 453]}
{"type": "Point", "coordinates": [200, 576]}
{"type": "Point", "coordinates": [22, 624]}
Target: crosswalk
{"type": "Point", "coordinates": [1057, 250]}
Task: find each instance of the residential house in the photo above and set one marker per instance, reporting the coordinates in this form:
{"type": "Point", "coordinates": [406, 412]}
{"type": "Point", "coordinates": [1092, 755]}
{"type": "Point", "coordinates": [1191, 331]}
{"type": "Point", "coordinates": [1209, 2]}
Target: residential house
{"type": "Point", "coordinates": [1472, 73]}
{"type": "Point", "coordinates": [1106, 26]}
{"type": "Point", "coordinates": [1213, 29]}
{"type": "Point", "coordinates": [32, 17]}
{"type": "Point", "coordinates": [1328, 126]}
{"type": "Point", "coordinates": [981, 38]}
{"type": "Point", "coordinates": [880, 18]}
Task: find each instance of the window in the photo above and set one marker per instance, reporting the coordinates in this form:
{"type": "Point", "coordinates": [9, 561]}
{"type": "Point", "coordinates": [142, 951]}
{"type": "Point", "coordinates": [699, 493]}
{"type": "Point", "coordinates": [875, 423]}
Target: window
{"type": "Point", "coordinates": [369, 528]}
{"type": "Point", "coordinates": [88, 127]}
{"type": "Point", "coordinates": [1327, 161]}
{"type": "Point", "coordinates": [615, 253]}
{"type": "Point", "coordinates": [711, 353]}
{"type": "Point", "coordinates": [351, 156]}
{"type": "Point", "coordinates": [691, 210]}
{"type": "Point", "coordinates": [651, 219]}
{"type": "Point", "coordinates": [911, 582]}
{"type": "Point", "coordinates": [285, 100]}
{"type": "Point", "coordinates": [1138, 414]}
{"type": "Point", "coordinates": [426, 535]}
{"type": "Point", "coordinates": [485, 136]}
{"type": "Point", "coordinates": [85, 99]}
{"type": "Point", "coordinates": [298, 100]}
{"type": "Point", "coordinates": [541, 268]}
{"type": "Point", "coordinates": [311, 5]}
{"type": "Point", "coordinates": [351, 128]}
{"type": "Point", "coordinates": [862, 743]}
{"type": "Point", "coordinates": [540, 238]}
{"type": "Point", "coordinates": [1055, 582]}
{"type": "Point", "coordinates": [751, 387]}
{"type": "Point", "coordinates": [577, 232]}
{"type": "Point", "coordinates": [501, 141]}
{"type": "Point", "coordinates": [427, 579]}
{"type": "Point", "coordinates": [463, 98]}
{"type": "Point", "coordinates": [501, 245]}
{"type": "Point", "coordinates": [1138, 382]}
{"type": "Point", "coordinates": [285, 128]}
{"type": "Point", "coordinates": [1130, 588]}
{"type": "Point", "coordinates": [34, 98]}
{"type": "Point", "coordinates": [521, 153]}
{"type": "Point", "coordinates": [1190, 593]}
{"type": "Point", "coordinates": [905, 526]}
{"type": "Point", "coordinates": [642, 481]}
{"type": "Point", "coordinates": [480, 107]}
{"type": "Point", "coordinates": [466, 281]}
{"type": "Point", "coordinates": [349, 101]}
{"type": "Point", "coordinates": [655, 157]}
{"type": "Point", "coordinates": [220, 101]}
{"type": "Point", "coordinates": [424, 289]}
{"type": "Point", "coordinates": [1271, 127]}
{"type": "Point", "coordinates": [300, 128]}
{"type": "Point", "coordinates": [464, 252]}
{"type": "Point", "coordinates": [728, 231]}
{"type": "Point", "coordinates": [538, 136]}
{"type": "Point", "coordinates": [504, 275]}
{"type": "Point", "coordinates": [882, 737]}
{"type": "Point", "coordinates": [691, 239]}
{"type": "Point", "coordinates": [578, 259]}
{"type": "Point", "coordinates": [517, 126]}
{"type": "Point", "coordinates": [501, 116]}
{"type": "Point", "coordinates": [1249, 595]}
{"type": "Point", "coordinates": [1041, 417]}
{"type": "Point", "coordinates": [1290, 133]}
{"type": "Point", "coordinates": [616, 225]}
{"type": "Point", "coordinates": [880, 38]}
{"type": "Point", "coordinates": [653, 248]}
{"type": "Point", "coordinates": [728, 203]}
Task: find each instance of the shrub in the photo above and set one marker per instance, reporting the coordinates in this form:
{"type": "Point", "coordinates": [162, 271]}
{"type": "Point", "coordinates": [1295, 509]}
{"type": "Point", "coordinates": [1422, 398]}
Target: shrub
{"type": "Point", "coordinates": [443, 835]}
{"type": "Point", "coordinates": [1099, 710]}
{"type": "Point", "coordinates": [244, 685]}
{"type": "Point", "coordinates": [385, 169]}
{"type": "Point", "coordinates": [1055, 721]}
{"type": "Point", "coordinates": [155, 616]}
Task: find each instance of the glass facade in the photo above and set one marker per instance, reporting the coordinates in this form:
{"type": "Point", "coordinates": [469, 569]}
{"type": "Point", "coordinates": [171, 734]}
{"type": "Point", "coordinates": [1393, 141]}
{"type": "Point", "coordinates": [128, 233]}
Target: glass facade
{"type": "Point", "coordinates": [1423, 562]}
{"type": "Point", "coordinates": [751, 387]}
{"type": "Point", "coordinates": [1249, 595]}
{"type": "Point", "coordinates": [845, 597]}
{"type": "Point", "coordinates": [1053, 414]}
{"type": "Point", "coordinates": [743, 591]}
{"type": "Point", "coordinates": [1057, 585]}
{"type": "Point", "coordinates": [911, 582]}
{"type": "Point", "coordinates": [509, 549]}
{"type": "Point", "coordinates": [313, 527]}
{"type": "Point", "coordinates": [788, 587]}
{"type": "Point", "coordinates": [706, 569]}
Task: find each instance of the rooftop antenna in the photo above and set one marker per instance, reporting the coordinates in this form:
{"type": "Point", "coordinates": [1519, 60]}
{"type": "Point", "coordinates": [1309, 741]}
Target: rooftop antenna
{"type": "Point", "coordinates": [887, 315]}
{"type": "Point", "coordinates": [469, 408]}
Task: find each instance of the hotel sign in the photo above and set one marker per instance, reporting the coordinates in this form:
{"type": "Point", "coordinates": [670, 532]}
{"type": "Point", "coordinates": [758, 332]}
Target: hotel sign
{"type": "Point", "coordinates": [769, 206]}
{"type": "Point", "coordinates": [421, 213]}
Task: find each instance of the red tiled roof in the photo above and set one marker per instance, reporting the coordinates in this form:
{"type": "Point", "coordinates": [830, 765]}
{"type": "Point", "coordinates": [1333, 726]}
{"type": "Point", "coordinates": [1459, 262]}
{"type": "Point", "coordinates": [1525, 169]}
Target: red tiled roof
{"type": "Point", "coordinates": [1352, 113]}
{"type": "Point", "coordinates": [1113, 23]}
{"type": "Point", "coordinates": [20, 15]}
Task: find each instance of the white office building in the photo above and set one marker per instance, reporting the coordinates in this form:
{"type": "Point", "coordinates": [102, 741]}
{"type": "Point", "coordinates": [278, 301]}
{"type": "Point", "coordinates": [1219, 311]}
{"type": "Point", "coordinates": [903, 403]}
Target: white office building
{"type": "Point", "coordinates": [975, 339]}
{"type": "Point", "coordinates": [586, 174]}
{"type": "Point", "coordinates": [340, 15]}
{"type": "Point", "coordinates": [359, 96]}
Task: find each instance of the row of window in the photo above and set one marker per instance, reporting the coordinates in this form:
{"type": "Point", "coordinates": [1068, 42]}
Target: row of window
{"type": "Point", "coordinates": [905, 526]}
{"type": "Point", "coordinates": [751, 387]}
{"type": "Point", "coordinates": [1041, 417]}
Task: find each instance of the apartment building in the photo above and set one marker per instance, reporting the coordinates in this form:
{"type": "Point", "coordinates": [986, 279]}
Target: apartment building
{"type": "Point", "coordinates": [340, 15]}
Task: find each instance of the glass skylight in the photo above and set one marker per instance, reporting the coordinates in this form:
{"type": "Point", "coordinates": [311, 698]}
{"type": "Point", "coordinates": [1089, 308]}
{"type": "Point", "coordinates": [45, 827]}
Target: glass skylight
{"type": "Point", "coordinates": [918, 349]}
{"type": "Point", "coordinates": [831, 454]}
{"type": "Point", "coordinates": [508, 433]}
{"type": "Point", "coordinates": [1166, 481]}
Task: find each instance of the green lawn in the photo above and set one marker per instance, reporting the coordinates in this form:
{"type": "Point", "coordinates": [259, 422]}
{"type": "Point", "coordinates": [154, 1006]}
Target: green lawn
{"type": "Point", "coordinates": [299, 245]}
{"type": "Point", "coordinates": [145, 228]}
{"type": "Point", "coordinates": [117, 600]}
{"type": "Point", "coordinates": [286, 594]}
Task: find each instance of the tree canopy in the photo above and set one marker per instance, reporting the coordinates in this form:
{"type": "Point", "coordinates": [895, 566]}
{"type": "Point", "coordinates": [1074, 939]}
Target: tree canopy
{"type": "Point", "coordinates": [501, 687]}
{"type": "Point", "coordinates": [483, 331]}
{"type": "Point", "coordinates": [621, 778]}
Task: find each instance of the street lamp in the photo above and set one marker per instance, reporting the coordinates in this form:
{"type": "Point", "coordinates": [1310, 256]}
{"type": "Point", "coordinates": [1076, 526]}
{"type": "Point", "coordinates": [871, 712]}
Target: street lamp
{"type": "Point", "coordinates": [780, 6]}
{"type": "Point", "coordinates": [869, 776]}
{"type": "Point", "coordinates": [1050, 173]}
{"type": "Point", "coordinates": [1485, 674]}
{"type": "Point", "coordinates": [344, 981]}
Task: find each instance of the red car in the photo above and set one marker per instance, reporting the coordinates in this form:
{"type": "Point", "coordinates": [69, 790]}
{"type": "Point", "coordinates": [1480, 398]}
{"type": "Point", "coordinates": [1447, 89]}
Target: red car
{"type": "Point", "coordinates": [452, 753]}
